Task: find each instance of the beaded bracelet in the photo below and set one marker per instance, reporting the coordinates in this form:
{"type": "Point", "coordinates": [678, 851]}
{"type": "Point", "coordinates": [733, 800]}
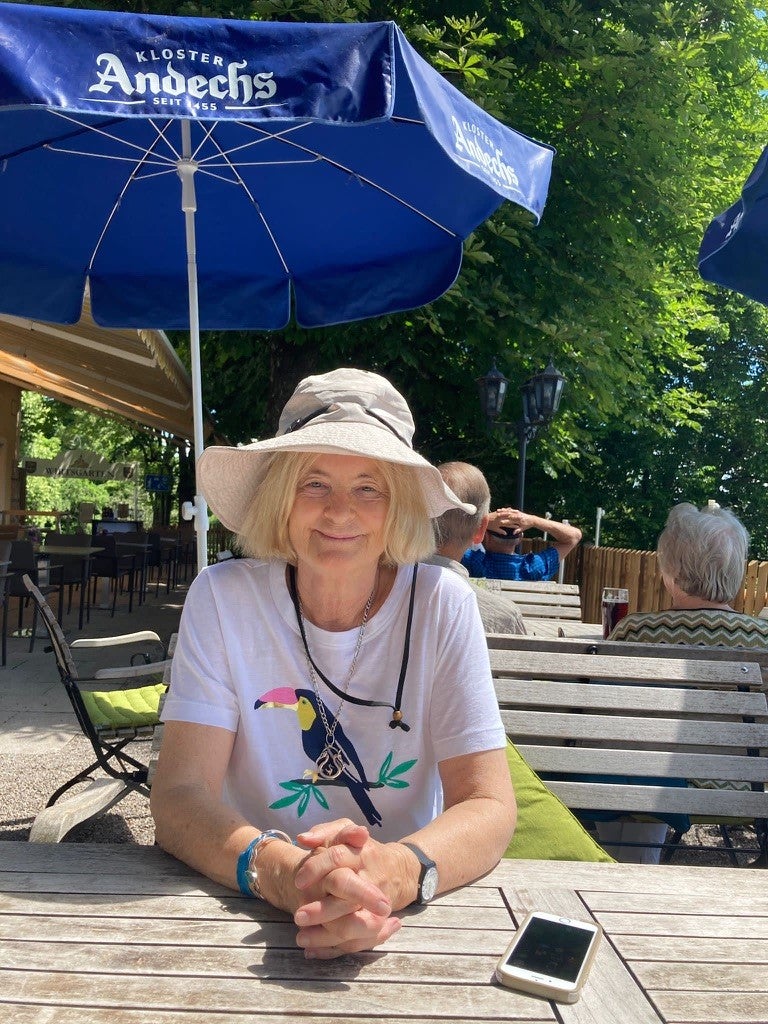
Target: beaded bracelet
{"type": "Point", "coordinates": [247, 876]}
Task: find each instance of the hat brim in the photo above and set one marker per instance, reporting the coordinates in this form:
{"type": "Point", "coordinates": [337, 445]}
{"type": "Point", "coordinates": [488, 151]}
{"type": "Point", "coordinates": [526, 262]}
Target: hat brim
{"type": "Point", "coordinates": [229, 478]}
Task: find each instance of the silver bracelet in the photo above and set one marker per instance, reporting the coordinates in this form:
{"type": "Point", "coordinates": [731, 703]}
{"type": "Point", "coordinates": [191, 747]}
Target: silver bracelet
{"type": "Point", "coordinates": [251, 873]}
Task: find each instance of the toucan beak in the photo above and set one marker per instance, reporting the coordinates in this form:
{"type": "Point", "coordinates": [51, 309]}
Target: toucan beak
{"type": "Point", "coordinates": [274, 704]}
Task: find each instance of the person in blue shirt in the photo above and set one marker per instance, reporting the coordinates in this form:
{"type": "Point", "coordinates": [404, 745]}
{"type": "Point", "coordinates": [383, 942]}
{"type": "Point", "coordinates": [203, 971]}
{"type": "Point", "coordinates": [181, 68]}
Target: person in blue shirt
{"type": "Point", "coordinates": [497, 559]}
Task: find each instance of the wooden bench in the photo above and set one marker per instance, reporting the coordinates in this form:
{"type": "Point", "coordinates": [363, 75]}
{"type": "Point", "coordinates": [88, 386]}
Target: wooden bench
{"type": "Point", "coordinates": [545, 599]}
{"type": "Point", "coordinates": [593, 720]}
{"type": "Point", "coordinates": [620, 648]}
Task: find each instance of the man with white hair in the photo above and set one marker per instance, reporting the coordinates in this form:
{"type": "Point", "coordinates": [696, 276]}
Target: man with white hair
{"type": "Point", "coordinates": [457, 530]}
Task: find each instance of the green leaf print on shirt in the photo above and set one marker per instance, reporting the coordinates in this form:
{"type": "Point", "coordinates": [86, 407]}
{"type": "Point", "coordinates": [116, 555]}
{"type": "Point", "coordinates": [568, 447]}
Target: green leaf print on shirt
{"type": "Point", "coordinates": [302, 791]}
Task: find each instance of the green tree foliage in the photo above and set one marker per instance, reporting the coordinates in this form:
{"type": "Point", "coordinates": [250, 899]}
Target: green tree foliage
{"type": "Point", "coordinates": [657, 112]}
{"type": "Point", "coordinates": [49, 427]}
{"type": "Point", "coordinates": [723, 456]}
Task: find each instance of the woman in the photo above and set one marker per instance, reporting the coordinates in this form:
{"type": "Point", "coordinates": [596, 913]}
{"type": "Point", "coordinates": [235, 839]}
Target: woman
{"type": "Point", "coordinates": [327, 689]}
{"type": "Point", "coordinates": [702, 556]}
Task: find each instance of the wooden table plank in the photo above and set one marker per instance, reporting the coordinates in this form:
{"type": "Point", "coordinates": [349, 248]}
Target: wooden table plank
{"type": "Point", "coordinates": [703, 977]}
{"type": "Point", "coordinates": [288, 997]}
{"type": "Point", "coordinates": [95, 956]}
{"type": "Point", "coordinates": [23, 1013]}
{"type": "Point", "coordinates": [702, 925]}
{"type": "Point", "coordinates": [707, 1008]}
{"type": "Point", "coordinates": [716, 950]}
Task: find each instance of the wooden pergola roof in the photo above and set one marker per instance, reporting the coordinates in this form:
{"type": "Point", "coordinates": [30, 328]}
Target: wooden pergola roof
{"type": "Point", "coordinates": [133, 374]}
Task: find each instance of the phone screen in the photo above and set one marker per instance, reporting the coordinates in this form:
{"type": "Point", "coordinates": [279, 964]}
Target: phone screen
{"type": "Point", "coordinates": [551, 948]}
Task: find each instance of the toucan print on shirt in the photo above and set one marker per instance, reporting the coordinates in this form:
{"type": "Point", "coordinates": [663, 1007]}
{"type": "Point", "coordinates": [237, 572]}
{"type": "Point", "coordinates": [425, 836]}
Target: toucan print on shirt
{"type": "Point", "coordinates": [314, 741]}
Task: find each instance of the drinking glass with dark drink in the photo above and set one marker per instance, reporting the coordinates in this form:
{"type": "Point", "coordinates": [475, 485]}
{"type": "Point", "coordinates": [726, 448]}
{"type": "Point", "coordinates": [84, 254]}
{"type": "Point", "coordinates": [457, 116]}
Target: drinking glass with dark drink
{"type": "Point", "coordinates": [615, 607]}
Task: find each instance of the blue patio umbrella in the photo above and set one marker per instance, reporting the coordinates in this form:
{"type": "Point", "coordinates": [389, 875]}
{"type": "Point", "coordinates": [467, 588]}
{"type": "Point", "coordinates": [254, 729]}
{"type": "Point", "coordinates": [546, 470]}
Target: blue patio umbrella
{"type": "Point", "coordinates": [734, 250]}
{"type": "Point", "coordinates": [210, 174]}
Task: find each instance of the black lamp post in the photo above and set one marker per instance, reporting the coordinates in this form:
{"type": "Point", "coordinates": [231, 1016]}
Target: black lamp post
{"type": "Point", "coordinates": [541, 400]}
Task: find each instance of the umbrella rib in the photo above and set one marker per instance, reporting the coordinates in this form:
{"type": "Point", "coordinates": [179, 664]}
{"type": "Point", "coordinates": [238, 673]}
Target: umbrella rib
{"type": "Point", "coordinates": [159, 162]}
{"type": "Point", "coordinates": [131, 177]}
{"type": "Point", "coordinates": [267, 137]}
{"type": "Point", "coordinates": [359, 177]}
{"type": "Point", "coordinates": [115, 138]}
{"type": "Point", "coordinates": [256, 205]}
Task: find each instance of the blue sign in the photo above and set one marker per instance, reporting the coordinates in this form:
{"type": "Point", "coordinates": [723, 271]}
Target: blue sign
{"type": "Point", "coordinates": [157, 482]}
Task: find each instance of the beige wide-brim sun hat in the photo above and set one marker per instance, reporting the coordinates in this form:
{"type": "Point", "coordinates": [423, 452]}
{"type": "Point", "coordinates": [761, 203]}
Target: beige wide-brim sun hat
{"type": "Point", "coordinates": [344, 412]}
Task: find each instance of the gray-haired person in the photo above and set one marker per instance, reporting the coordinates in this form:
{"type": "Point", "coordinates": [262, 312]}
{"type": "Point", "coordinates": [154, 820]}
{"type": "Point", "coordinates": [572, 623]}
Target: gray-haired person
{"type": "Point", "coordinates": [702, 556]}
{"type": "Point", "coordinates": [457, 530]}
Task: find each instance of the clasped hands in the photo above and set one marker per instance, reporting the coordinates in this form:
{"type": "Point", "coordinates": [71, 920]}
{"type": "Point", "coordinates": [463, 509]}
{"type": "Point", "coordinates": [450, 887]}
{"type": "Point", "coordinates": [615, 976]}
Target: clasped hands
{"type": "Point", "coordinates": [509, 518]}
{"type": "Point", "coordinates": [351, 883]}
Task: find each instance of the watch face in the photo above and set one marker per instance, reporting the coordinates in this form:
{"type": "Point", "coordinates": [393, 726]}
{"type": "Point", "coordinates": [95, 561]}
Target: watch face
{"type": "Point", "coordinates": [429, 885]}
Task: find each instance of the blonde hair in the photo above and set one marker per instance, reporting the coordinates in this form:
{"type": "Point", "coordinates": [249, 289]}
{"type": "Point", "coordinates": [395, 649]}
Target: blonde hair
{"type": "Point", "coordinates": [408, 535]}
{"type": "Point", "coordinates": [704, 551]}
{"type": "Point", "coordinates": [468, 483]}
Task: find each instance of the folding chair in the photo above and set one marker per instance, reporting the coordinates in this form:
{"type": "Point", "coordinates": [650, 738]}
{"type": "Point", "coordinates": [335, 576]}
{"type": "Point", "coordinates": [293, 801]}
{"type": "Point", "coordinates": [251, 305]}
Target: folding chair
{"type": "Point", "coordinates": [110, 719]}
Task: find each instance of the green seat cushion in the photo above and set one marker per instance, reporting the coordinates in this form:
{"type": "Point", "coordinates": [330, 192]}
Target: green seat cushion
{"type": "Point", "coordinates": [124, 709]}
{"type": "Point", "coordinates": [546, 829]}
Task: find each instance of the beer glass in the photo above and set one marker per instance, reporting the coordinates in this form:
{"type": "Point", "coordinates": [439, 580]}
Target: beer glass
{"type": "Point", "coordinates": [615, 607]}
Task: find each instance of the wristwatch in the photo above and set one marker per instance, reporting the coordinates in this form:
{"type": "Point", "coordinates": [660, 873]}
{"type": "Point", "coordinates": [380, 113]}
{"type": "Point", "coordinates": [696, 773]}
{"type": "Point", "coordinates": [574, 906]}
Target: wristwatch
{"type": "Point", "coordinates": [427, 876]}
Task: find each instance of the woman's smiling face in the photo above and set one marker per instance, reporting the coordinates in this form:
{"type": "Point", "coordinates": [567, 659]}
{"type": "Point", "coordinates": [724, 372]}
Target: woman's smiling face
{"type": "Point", "coordinates": [339, 512]}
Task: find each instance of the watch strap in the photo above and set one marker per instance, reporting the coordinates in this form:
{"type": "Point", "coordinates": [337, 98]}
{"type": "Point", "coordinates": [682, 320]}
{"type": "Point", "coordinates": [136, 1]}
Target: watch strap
{"type": "Point", "coordinates": [426, 864]}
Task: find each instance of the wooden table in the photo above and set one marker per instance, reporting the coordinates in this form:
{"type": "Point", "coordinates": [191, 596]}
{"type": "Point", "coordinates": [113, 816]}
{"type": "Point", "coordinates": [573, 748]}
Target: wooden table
{"type": "Point", "coordinates": [74, 553]}
{"type": "Point", "coordinates": [123, 934]}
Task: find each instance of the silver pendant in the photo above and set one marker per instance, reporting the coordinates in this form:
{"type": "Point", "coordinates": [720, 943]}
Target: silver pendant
{"type": "Point", "coordinates": [330, 764]}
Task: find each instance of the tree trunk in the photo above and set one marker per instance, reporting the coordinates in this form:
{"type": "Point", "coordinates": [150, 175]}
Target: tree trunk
{"type": "Point", "coordinates": [288, 364]}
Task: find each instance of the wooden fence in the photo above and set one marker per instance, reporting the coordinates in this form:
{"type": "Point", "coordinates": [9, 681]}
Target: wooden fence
{"type": "Point", "coordinates": [638, 571]}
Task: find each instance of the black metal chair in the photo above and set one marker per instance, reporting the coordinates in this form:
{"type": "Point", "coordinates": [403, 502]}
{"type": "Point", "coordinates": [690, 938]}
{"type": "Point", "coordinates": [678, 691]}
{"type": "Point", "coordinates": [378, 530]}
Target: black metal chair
{"type": "Point", "coordinates": [110, 718]}
{"type": "Point", "coordinates": [24, 560]}
{"type": "Point", "coordinates": [120, 569]}
{"type": "Point", "coordinates": [5, 561]}
{"type": "Point", "coordinates": [163, 559]}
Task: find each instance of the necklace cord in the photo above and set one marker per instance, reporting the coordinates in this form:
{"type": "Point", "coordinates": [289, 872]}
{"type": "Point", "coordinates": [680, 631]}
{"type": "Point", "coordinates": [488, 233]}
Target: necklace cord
{"type": "Point", "coordinates": [397, 715]}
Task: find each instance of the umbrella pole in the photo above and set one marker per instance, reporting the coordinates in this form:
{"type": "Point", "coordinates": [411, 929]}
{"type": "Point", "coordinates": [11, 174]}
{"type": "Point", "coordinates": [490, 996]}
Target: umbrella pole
{"type": "Point", "coordinates": [186, 169]}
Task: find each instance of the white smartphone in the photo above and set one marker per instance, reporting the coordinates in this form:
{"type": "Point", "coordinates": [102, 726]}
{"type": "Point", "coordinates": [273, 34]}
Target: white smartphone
{"type": "Point", "coordinates": [550, 956]}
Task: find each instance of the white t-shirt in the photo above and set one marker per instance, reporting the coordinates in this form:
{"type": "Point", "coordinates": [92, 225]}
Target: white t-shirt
{"type": "Point", "coordinates": [239, 654]}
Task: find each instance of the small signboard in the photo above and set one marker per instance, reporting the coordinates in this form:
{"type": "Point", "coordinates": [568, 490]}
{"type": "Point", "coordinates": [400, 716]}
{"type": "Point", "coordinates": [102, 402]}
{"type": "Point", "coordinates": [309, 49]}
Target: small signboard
{"type": "Point", "coordinates": [157, 482]}
{"type": "Point", "coordinates": [81, 465]}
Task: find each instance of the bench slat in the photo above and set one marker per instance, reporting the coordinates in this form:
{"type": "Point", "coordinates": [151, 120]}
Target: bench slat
{"type": "Point", "coordinates": [529, 597]}
{"type": "Point", "coordinates": [529, 664]}
{"type": "Point", "coordinates": [613, 648]}
{"type": "Point", "coordinates": [545, 611]}
{"type": "Point", "coordinates": [628, 729]}
{"type": "Point", "coordinates": [660, 764]}
{"type": "Point", "coordinates": [549, 693]}
{"type": "Point", "coordinates": [661, 799]}
{"type": "Point", "coordinates": [540, 587]}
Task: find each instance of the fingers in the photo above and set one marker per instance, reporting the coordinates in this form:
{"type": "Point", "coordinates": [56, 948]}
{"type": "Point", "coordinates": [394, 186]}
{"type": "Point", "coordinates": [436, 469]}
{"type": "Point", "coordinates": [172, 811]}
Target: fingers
{"type": "Point", "coordinates": [328, 858]}
{"type": "Point", "coordinates": [351, 933]}
{"type": "Point", "coordinates": [329, 833]}
{"type": "Point", "coordinates": [342, 883]}
{"type": "Point", "coordinates": [335, 879]}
